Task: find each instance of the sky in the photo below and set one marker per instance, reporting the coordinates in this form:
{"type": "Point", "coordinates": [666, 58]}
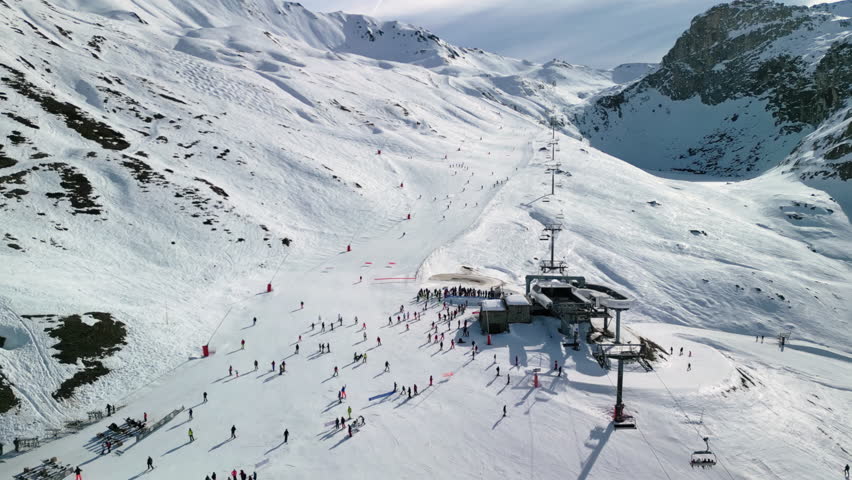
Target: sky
{"type": "Point", "coordinates": [598, 33]}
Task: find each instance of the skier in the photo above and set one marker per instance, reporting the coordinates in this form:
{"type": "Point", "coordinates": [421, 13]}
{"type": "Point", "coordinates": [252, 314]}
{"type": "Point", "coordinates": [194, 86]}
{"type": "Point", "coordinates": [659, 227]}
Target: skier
{"type": "Point", "coordinates": [516, 360]}
{"type": "Point", "coordinates": [688, 367]}
{"type": "Point", "coordinates": [349, 412]}
{"type": "Point", "coordinates": [150, 464]}
{"type": "Point", "coordinates": [190, 414]}
{"type": "Point", "coordinates": [504, 410]}
{"type": "Point", "coordinates": [79, 472]}
{"type": "Point", "coordinates": [234, 473]}
{"type": "Point", "coordinates": [297, 349]}
{"type": "Point", "coordinates": [379, 341]}
{"type": "Point", "coordinates": [394, 386]}
{"type": "Point", "coordinates": [335, 372]}
{"type": "Point", "coordinates": [507, 379]}
{"type": "Point", "coordinates": [191, 436]}
{"type": "Point", "coordinates": [387, 366]}
{"type": "Point", "coordinates": [205, 398]}
{"type": "Point", "coordinates": [350, 430]}
{"type": "Point", "coordinates": [560, 371]}
{"type": "Point", "coordinates": [255, 365]}
{"type": "Point", "coordinates": [286, 435]}
{"type": "Point", "coordinates": [230, 370]}
{"type": "Point", "coordinates": [233, 431]}
{"type": "Point", "coordinates": [681, 351]}
{"type": "Point", "coordinates": [302, 305]}
{"type": "Point", "coordinates": [254, 321]}
{"type": "Point", "coordinates": [273, 366]}
{"type": "Point", "coordinates": [846, 471]}
{"type": "Point", "coordinates": [242, 475]}
{"type": "Point", "coordinates": [498, 371]}
{"type": "Point", "coordinates": [242, 344]}
{"type": "Point", "coordinates": [555, 365]}
{"type": "Point", "coordinates": [430, 380]}
{"type": "Point", "coordinates": [415, 389]}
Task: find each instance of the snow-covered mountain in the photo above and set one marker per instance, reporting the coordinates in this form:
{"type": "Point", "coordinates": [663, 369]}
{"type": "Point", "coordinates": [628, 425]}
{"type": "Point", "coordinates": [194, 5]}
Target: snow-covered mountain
{"type": "Point", "coordinates": [742, 91]}
{"type": "Point", "coordinates": [163, 161]}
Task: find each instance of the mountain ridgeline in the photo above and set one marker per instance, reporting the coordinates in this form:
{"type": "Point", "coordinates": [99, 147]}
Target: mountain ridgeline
{"type": "Point", "coordinates": [742, 91]}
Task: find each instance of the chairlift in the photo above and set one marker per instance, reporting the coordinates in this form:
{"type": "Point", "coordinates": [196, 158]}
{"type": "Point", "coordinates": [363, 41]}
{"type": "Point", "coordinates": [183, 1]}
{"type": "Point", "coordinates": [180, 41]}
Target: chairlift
{"type": "Point", "coordinates": [703, 458]}
{"type": "Point", "coordinates": [544, 236]}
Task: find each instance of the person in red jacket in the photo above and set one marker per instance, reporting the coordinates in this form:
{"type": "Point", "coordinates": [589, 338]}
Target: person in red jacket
{"type": "Point", "coordinates": [234, 473]}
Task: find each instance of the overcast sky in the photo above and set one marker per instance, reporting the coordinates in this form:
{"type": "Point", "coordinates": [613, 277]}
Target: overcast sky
{"type": "Point", "coordinates": [599, 33]}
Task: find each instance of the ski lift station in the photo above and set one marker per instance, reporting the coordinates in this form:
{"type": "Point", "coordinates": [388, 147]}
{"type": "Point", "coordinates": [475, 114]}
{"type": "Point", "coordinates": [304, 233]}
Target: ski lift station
{"type": "Point", "coordinates": [497, 314]}
{"type": "Point", "coordinates": [570, 299]}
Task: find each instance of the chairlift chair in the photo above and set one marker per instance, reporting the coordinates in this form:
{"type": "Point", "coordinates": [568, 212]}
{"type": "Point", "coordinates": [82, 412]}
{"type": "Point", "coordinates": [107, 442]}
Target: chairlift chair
{"type": "Point", "coordinates": [703, 458]}
{"type": "Point", "coordinates": [544, 237]}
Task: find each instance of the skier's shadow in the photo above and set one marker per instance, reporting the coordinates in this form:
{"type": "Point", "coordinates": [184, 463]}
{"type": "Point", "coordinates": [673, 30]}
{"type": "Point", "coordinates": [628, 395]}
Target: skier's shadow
{"type": "Point", "coordinates": [345, 438]}
{"type": "Point", "coordinates": [220, 379]}
{"type": "Point", "coordinates": [497, 423]}
{"type": "Point", "coordinates": [214, 447]}
{"type": "Point", "coordinates": [180, 424]}
{"type": "Point", "coordinates": [176, 448]}
{"type": "Point", "coordinates": [271, 378]}
{"type": "Point", "coordinates": [275, 448]}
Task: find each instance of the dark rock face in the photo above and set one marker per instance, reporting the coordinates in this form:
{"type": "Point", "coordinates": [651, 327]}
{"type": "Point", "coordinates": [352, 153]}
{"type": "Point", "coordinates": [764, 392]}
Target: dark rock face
{"type": "Point", "coordinates": [793, 61]}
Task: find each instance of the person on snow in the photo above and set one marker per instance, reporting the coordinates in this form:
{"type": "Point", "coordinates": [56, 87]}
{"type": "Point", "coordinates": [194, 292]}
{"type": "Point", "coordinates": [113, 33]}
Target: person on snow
{"type": "Point", "coordinates": [286, 435]}
{"type": "Point", "coordinates": [205, 398]}
{"type": "Point", "coordinates": [190, 414]}
{"type": "Point", "coordinates": [504, 410]}
{"type": "Point", "coordinates": [242, 475]}
{"type": "Point", "coordinates": [79, 473]}
{"type": "Point", "coordinates": [507, 379]}
{"type": "Point", "coordinates": [255, 365]}
{"type": "Point", "coordinates": [364, 358]}
{"type": "Point", "coordinates": [233, 431]}
{"type": "Point", "coordinates": [498, 370]}
{"type": "Point", "coordinates": [379, 341]}
{"type": "Point", "coordinates": [415, 389]}
{"type": "Point", "coordinates": [242, 344]}
{"type": "Point", "coordinates": [335, 372]}
{"type": "Point", "coordinates": [150, 464]}
{"type": "Point", "coordinates": [516, 360]}
{"type": "Point", "coordinates": [191, 436]}
{"type": "Point", "coordinates": [387, 366]}
{"type": "Point", "coordinates": [350, 430]}
{"type": "Point", "coordinates": [254, 321]}
{"type": "Point", "coordinates": [349, 412]}
{"type": "Point", "coordinates": [213, 476]}
{"type": "Point", "coordinates": [688, 367]}
{"type": "Point", "coordinates": [302, 305]}
{"type": "Point", "coordinates": [560, 371]}
{"type": "Point", "coordinates": [336, 423]}
{"type": "Point", "coordinates": [430, 380]}
{"type": "Point", "coordinates": [273, 366]}
{"type": "Point", "coordinates": [234, 474]}
{"type": "Point", "coordinates": [394, 386]}
{"type": "Point", "coordinates": [297, 349]}
{"type": "Point", "coordinates": [312, 325]}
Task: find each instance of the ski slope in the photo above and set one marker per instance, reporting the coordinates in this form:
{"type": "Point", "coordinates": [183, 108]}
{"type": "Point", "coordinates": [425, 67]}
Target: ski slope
{"type": "Point", "coordinates": [455, 427]}
{"type": "Point", "coordinates": [303, 107]}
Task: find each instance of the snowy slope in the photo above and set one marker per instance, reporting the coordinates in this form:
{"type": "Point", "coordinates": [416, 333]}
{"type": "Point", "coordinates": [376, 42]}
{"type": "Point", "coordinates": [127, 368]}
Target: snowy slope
{"type": "Point", "coordinates": [166, 160]}
{"type": "Point", "coordinates": [736, 94]}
